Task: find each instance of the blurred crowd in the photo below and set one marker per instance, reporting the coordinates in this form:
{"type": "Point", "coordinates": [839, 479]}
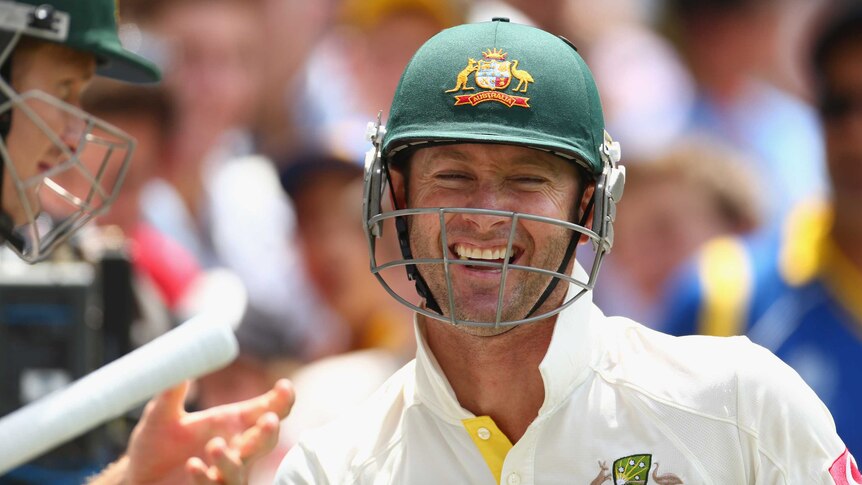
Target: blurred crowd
{"type": "Point", "coordinates": [250, 159]}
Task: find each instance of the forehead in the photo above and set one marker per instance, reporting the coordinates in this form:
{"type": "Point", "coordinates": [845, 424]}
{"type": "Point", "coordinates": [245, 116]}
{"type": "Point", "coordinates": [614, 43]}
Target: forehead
{"type": "Point", "coordinates": [488, 155]}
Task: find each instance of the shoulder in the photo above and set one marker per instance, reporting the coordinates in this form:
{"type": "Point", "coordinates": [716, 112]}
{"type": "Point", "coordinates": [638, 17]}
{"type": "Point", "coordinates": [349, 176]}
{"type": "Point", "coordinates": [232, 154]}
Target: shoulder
{"type": "Point", "coordinates": [340, 450]}
{"type": "Point", "coordinates": [778, 421]}
{"type": "Point", "coordinates": [793, 431]}
{"type": "Point", "coordinates": [691, 372]}
{"type": "Point", "coordinates": [733, 367]}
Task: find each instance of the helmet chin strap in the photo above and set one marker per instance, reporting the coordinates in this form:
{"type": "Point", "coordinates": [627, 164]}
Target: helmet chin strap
{"type": "Point", "coordinates": [570, 251]}
{"type": "Point", "coordinates": [413, 272]}
{"type": "Point", "coordinates": [404, 244]}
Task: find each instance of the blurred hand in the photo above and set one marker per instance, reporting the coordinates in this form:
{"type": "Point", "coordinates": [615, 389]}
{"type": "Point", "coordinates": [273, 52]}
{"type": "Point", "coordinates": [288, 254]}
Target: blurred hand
{"type": "Point", "coordinates": [216, 445]}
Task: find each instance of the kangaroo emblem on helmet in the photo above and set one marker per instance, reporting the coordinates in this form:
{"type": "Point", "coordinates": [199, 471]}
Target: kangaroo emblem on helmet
{"type": "Point", "coordinates": [461, 83]}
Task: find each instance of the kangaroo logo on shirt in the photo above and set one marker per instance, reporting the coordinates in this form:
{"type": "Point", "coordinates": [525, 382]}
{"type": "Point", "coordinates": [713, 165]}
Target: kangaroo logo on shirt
{"type": "Point", "coordinates": [634, 470]}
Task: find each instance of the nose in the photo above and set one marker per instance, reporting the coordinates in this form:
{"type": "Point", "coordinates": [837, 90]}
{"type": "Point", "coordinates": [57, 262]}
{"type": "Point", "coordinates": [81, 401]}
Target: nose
{"type": "Point", "coordinates": [490, 198]}
{"type": "Point", "coordinates": [486, 223]}
{"type": "Point", "coordinates": [73, 132]}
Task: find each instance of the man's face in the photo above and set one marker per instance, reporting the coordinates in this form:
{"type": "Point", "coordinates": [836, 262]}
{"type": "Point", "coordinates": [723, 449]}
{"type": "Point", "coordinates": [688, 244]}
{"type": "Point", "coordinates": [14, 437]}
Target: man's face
{"type": "Point", "coordinates": [59, 72]}
{"type": "Point", "coordinates": [215, 65]}
{"type": "Point", "coordinates": [843, 121]}
{"type": "Point", "coordinates": [496, 177]}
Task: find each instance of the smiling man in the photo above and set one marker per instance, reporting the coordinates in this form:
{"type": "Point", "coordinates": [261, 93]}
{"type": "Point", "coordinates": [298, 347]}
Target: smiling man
{"type": "Point", "coordinates": [514, 179]}
{"type": "Point", "coordinates": [518, 377]}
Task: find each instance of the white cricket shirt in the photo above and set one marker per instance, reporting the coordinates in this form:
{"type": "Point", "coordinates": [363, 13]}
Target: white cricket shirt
{"type": "Point", "coordinates": [623, 405]}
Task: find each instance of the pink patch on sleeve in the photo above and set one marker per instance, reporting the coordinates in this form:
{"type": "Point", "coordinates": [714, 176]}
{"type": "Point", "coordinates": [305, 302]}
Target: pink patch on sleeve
{"type": "Point", "coordinates": [844, 470]}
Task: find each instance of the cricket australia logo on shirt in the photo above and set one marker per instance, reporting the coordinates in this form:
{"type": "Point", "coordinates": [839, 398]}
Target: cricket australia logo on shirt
{"type": "Point", "coordinates": [493, 72]}
{"type": "Point", "coordinates": [634, 470]}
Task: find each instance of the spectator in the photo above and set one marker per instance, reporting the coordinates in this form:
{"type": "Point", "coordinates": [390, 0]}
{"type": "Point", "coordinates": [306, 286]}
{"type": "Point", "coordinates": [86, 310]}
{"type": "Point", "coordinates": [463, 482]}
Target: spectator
{"type": "Point", "coordinates": [796, 290]}
{"type": "Point", "coordinates": [727, 46]}
{"type": "Point", "coordinates": [696, 191]}
{"type": "Point", "coordinates": [212, 195]}
{"type": "Point", "coordinates": [324, 191]}
{"type": "Point", "coordinates": [360, 61]}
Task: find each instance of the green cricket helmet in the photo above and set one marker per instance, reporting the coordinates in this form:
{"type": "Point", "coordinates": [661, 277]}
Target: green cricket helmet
{"type": "Point", "coordinates": [81, 176]}
{"type": "Point", "coordinates": [502, 83]}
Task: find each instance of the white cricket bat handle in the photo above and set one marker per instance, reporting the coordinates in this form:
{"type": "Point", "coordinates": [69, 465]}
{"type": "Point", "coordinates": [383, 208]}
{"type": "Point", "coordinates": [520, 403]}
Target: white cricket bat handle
{"type": "Point", "coordinates": [196, 347]}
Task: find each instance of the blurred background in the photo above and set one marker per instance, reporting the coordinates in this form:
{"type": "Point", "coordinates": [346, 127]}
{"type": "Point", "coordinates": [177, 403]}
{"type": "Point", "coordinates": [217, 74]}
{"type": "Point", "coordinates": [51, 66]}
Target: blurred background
{"type": "Point", "coordinates": [741, 213]}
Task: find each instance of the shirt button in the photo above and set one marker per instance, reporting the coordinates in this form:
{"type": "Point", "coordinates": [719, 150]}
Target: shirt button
{"type": "Point", "coordinates": [483, 433]}
{"type": "Point", "coordinates": [514, 479]}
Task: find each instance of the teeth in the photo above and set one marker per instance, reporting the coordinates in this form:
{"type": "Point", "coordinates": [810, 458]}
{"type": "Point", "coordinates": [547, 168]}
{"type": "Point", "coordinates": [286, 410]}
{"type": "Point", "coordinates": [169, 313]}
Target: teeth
{"type": "Point", "coordinates": [465, 252]}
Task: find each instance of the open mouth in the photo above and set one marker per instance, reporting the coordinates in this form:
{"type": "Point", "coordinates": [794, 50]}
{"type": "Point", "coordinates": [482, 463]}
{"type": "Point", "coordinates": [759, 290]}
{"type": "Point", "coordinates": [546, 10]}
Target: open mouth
{"type": "Point", "coordinates": [494, 254]}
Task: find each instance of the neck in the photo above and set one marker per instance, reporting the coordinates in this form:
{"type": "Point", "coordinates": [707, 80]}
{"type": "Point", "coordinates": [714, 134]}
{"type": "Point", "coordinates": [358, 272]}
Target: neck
{"type": "Point", "coordinates": [494, 376]}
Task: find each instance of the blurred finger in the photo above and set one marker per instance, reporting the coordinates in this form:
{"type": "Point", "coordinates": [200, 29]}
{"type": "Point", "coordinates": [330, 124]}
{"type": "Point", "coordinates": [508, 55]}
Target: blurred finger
{"type": "Point", "coordinates": [198, 471]}
{"type": "Point", "coordinates": [283, 398]}
{"type": "Point", "coordinates": [258, 440]}
{"type": "Point", "coordinates": [169, 404]}
{"type": "Point", "coordinates": [227, 461]}
{"type": "Point", "coordinates": [279, 400]}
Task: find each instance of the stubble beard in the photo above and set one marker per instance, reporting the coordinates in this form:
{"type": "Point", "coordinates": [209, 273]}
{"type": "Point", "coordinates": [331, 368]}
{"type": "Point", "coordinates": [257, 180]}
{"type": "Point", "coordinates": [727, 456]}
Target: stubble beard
{"type": "Point", "coordinates": [523, 288]}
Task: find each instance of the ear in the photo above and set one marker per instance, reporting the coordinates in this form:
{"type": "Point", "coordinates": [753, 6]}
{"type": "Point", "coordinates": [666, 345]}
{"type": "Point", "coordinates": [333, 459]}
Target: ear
{"type": "Point", "coordinates": [399, 191]}
{"type": "Point", "coordinates": [584, 206]}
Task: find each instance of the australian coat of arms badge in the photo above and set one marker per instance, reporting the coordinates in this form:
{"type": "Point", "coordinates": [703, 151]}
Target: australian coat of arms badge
{"type": "Point", "coordinates": [493, 73]}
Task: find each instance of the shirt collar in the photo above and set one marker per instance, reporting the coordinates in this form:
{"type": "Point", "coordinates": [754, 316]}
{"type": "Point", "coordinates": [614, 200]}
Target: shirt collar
{"type": "Point", "coordinates": [432, 388]}
{"type": "Point", "coordinates": [572, 348]}
{"type": "Point", "coordinates": [566, 364]}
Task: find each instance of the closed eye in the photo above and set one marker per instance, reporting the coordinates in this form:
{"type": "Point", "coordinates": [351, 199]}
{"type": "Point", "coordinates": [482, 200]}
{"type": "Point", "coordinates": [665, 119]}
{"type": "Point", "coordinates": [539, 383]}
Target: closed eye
{"type": "Point", "coordinates": [452, 176]}
{"type": "Point", "coordinates": [528, 180]}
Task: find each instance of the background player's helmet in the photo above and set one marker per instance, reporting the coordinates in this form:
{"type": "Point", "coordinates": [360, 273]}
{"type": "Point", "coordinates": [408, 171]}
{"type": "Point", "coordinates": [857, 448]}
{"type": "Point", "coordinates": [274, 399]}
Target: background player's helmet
{"type": "Point", "coordinates": [85, 181]}
{"type": "Point", "coordinates": [494, 82]}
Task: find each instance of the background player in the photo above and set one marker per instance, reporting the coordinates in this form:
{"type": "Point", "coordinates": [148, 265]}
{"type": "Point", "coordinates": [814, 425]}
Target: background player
{"type": "Point", "coordinates": [50, 51]}
{"type": "Point", "coordinates": [798, 290]}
